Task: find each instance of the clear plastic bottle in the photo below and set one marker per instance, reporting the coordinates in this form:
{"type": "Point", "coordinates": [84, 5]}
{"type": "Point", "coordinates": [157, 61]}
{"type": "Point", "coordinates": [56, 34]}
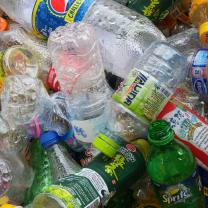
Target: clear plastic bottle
{"type": "Point", "coordinates": [17, 36]}
{"type": "Point", "coordinates": [76, 57]}
{"type": "Point", "coordinates": [123, 34]}
{"type": "Point", "coordinates": [61, 162]}
{"type": "Point", "coordinates": [15, 177]}
{"type": "Point", "coordinates": [152, 81]}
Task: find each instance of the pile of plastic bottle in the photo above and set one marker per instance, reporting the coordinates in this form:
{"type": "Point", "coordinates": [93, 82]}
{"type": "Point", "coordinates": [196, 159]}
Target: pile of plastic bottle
{"type": "Point", "coordinates": [103, 103]}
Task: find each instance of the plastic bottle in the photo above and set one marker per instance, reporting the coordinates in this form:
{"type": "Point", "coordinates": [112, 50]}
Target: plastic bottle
{"type": "Point", "coordinates": [15, 177]}
{"type": "Point", "coordinates": [61, 162]}
{"type": "Point", "coordinates": [42, 169]}
{"type": "Point", "coordinates": [152, 81]}
{"type": "Point", "coordinates": [199, 17]}
{"type": "Point", "coordinates": [17, 36]}
{"type": "Point", "coordinates": [102, 177]}
{"type": "Point", "coordinates": [123, 34]}
{"type": "Point", "coordinates": [76, 57]}
{"type": "Point", "coordinates": [177, 185]}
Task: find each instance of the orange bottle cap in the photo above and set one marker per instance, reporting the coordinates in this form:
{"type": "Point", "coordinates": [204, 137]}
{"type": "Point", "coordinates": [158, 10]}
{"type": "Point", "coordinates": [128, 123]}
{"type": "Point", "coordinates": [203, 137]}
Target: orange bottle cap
{"type": "Point", "coordinates": [3, 24]}
{"type": "Point", "coordinates": [203, 32]}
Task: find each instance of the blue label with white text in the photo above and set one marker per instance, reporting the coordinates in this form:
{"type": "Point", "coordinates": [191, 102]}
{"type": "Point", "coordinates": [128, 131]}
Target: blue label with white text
{"type": "Point", "coordinates": [50, 14]}
{"type": "Point", "coordinates": [200, 72]}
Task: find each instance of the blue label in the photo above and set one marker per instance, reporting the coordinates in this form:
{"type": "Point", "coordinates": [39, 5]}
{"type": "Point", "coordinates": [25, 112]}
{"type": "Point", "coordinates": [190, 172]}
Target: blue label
{"type": "Point", "coordinates": [50, 14]}
{"type": "Point", "coordinates": [200, 72]}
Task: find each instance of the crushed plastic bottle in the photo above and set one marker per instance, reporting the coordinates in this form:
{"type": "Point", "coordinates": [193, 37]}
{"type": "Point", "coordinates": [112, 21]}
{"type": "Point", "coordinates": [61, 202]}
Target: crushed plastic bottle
{"type": "Point", "coordinates": [123, 34]}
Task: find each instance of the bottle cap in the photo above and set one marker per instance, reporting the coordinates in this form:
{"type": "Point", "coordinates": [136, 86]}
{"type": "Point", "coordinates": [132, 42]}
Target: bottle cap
{"type": "Point", "coordinates": [160, 133]}
{"type": "Point", "coordinates": [203, 32]}
{"type": "Point", "coordinates": [3, 24]}
{"type": "Point", "coordinates": [105, 145]}
{"type": "Point", "coordinates": [47, 139]}
{"type": "Point", "coordinates": [143, 146]}
{"type": "Point", "coordinates": [9, 206]}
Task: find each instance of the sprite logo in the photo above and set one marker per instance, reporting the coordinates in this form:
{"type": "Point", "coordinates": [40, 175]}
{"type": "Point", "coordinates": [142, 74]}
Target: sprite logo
{"type": "Point", "coordinates": [176, 194]}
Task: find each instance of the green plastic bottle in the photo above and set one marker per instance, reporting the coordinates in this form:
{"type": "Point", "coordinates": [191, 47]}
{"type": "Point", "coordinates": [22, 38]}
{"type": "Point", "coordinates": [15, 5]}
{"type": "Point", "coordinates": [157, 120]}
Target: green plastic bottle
{"type": "Point", "coordinates": [172, 169]}
{"type": "Point", "coordinates": [155, 10]}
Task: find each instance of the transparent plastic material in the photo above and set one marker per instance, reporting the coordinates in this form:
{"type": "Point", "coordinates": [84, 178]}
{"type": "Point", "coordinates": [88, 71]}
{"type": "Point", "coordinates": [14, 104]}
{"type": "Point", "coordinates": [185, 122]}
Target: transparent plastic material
{"type": "Point", "coordinates": [15, 177]}
{"type": "Point", "coordinates": [20, 98]}
{"type": "Point", "coordinates": [125, 124]}
{"type": "Point", "coordinates": [17, 36]}
{"type": "Point", "coordinates": [12, 139]}
{"type": "Point", "coordinates": [187, 42]}
{"type": "Point", "coordinates": [123, 33]}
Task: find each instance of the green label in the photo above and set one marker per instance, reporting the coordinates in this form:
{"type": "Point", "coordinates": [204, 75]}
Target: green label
{"type": "Point", "coordinates": [77, 191]}
{"type": "Point", "coordinates": [153, 9]}
{"type": "Point", "coordinates": [143, 95]}
{"type": "Point", "coordinates": [181, 193]}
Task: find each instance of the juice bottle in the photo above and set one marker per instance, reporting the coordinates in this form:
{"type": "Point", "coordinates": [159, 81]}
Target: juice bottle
{"type": "Point", "coordinates": [199, 17]}
{"type": "Point", "coordinates": [172, 169]}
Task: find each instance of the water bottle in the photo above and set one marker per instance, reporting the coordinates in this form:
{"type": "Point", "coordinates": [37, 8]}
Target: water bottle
{"type": "Point", "coordinates": [76, 57]}
{"type": "Point", "coordinates": [152, 81]}
{"type": "Point", "coordinates": [123, 34]}
{"type": "Point", "coordinates": [15, 177]}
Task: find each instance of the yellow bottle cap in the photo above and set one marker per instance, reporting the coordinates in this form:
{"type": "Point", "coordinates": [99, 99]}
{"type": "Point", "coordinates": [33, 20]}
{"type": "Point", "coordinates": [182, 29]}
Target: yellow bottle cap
{"type": "Point", "coordinates": [143, 146]}
{"type": "Point", "coordinates": [105, 145]}
{"type": "Point", "coordinates": [203, 32]}
{"type": "Point", "coordinates": [8, 206]}
{"type": "Point", "coordinates": [4, 200]}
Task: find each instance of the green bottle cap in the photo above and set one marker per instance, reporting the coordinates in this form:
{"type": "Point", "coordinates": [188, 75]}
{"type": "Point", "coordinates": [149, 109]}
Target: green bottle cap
{"type": "Point", "coordinates": [105, 145]}
{"type": "Point", "coordinates": [160, 133]}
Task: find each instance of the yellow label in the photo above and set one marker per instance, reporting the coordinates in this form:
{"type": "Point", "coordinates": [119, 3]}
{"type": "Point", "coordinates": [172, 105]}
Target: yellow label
{"type": "Point", "coordinates": [71, 14]}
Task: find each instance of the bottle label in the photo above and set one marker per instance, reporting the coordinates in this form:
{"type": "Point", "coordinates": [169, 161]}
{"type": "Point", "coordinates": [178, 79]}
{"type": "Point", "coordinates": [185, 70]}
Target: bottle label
{"type": "Point", "coordinates": [143, 95]}
{"type": "Point", "coordinates": [189, 128]}
{"type": "Point", "coordinates": [50, 14]}
{"type": "Point", "coordinates": [200, 72]}
{"type": "Point", "coordinates": [83, 190]}
{"type": "Point", "coordinates": [178, 193]}
{"type": "Point", "coordinates": [86, 130]}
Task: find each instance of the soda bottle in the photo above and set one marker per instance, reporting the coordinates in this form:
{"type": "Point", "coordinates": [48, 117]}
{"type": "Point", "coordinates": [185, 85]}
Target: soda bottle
{"type": "Point", "coordinates": [199, 17]}
{"type": "Point", "coordinates": [123, 34]}
{"type": "Point", "coordinates": [103, 177]}
{"type": "Point", "coordinates": [76, 57]}
{"type": "Point", "coordinates": [177, 184]}
{"type": "Point", "coordinates": [152, 81]}
{"type": "Point", "coordinates": [15, 177]}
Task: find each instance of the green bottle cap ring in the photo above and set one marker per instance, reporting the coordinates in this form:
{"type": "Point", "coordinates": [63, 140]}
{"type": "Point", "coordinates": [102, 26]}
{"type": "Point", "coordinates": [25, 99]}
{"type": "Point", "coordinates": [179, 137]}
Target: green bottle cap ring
{"type": "Point", "coordinates": [105, 145]}
{"type": "Point", "coordinates": [160, 133]}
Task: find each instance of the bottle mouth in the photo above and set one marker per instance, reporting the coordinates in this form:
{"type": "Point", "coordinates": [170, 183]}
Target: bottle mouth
{"type": "Point", "coordinates": [45, 200]}
{"type": "Point", "coordinates": [160, 133]}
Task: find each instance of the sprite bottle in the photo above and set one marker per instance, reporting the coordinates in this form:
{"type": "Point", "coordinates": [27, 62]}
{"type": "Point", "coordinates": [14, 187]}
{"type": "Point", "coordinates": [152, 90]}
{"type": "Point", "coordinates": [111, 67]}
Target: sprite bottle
{"type": "Point", "coordinates": [172, 169]}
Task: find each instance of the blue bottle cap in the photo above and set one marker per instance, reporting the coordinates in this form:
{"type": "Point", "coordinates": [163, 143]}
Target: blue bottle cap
{"type": "Point", "coordinates": [49, 138]}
